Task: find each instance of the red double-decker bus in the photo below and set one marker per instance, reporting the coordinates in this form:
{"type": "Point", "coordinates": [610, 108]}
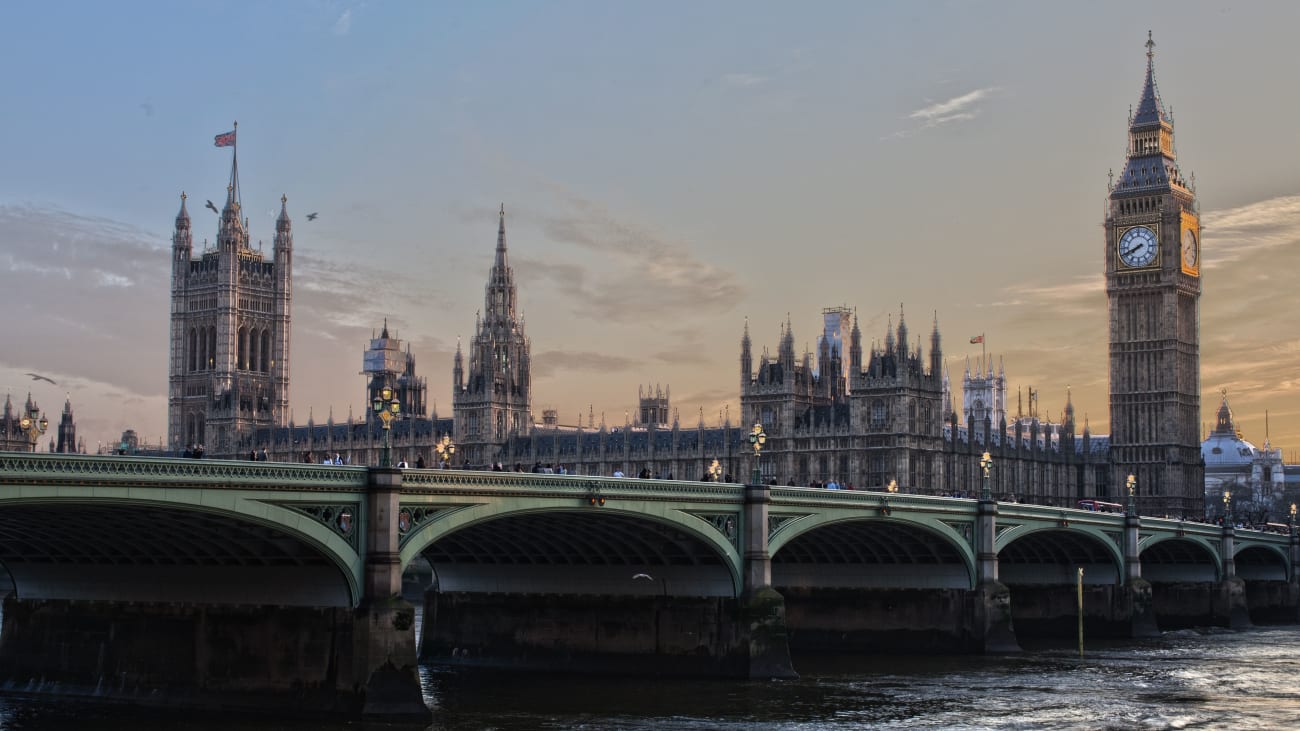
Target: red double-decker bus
{"type": "Point", "coordinates": [1097, 506]}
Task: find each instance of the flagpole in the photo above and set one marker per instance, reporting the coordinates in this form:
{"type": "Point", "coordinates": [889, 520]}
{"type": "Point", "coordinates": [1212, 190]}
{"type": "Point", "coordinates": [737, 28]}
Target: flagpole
{"type": "Point", "coordinates": [984, 353]}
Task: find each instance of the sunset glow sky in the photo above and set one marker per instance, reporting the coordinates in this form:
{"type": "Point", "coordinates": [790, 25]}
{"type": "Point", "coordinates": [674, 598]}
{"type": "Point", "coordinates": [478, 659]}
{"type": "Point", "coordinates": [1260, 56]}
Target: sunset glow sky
{"type": "Point", "coordinates": [668, 170]}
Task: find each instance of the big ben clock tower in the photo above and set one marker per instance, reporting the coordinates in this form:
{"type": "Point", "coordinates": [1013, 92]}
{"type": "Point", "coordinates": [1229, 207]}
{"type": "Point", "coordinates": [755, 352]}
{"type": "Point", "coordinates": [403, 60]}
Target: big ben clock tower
{"type": "Point", "coordinates": [1153, 288]}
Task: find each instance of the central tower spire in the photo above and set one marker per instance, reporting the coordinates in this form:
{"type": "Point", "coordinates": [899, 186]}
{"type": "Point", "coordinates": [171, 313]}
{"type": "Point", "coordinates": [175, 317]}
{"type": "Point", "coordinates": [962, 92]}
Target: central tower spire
{"type": "Point", "coordinates": [494, 402]}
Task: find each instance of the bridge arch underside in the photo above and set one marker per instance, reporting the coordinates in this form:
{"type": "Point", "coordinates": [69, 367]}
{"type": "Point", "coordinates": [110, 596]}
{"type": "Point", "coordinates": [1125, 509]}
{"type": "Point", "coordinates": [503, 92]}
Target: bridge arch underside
{"type": "Point", "coordinates": [873, 585]}
{"type": "Point", "coordinates": [1053, 558]}
{"type": "Point", "coordinates": [870, 554]}
{"type": "Point", "coordinates": [1178, 561]}
{"type": "Point", "coordinates": [578, 553]}
{"type": "Point", "coordinates": [1041, 571]}
{"type": "Point", "coordinates": [1270, 598]}
{"type": "Point", "coordinates": [145, 553]}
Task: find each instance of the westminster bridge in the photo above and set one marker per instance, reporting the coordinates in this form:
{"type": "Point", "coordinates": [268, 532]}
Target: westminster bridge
{"type": "Point", "coordinates": [263, 584]}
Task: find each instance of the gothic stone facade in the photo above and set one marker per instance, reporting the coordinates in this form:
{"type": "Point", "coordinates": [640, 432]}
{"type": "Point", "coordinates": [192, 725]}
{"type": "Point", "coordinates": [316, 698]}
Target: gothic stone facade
{"type": "Point", "coordinates": [228, 370]}
{"type": "Point", "coordinates": [1153, 287]}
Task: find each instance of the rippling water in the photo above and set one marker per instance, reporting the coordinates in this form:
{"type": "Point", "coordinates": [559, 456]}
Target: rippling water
{"type": "Point", "coordinates": [1221, 680]}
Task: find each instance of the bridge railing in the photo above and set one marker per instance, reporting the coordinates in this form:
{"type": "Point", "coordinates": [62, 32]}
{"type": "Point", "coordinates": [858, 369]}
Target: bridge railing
{"type": "Point", "coordinates": [431, 480]}
{"type": "Point", "coordinates": [45, 468]}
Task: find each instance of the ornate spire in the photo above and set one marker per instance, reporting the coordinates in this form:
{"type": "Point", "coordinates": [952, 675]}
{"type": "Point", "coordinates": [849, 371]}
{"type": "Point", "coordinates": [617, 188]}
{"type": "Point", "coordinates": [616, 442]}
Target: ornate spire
{"type": "Point", "coordinates": [1152, 163]}
{"type": "Point", "coordinates": [282, 223]}
{"type": "Point", "coordinates": [902, 333]}
{"type": "Point", "coordinates": [1150, 110]}
{"type": "Point", "coordinates": [501, 239]}
{"type": "Point", "coordinates": [183, 216]}
{"type": "Point", "coordinates": [1223, 421]}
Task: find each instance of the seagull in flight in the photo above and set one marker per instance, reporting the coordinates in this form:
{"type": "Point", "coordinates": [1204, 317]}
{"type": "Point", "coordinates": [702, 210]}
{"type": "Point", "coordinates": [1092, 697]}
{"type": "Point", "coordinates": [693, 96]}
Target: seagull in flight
{"type": "Point", "coordinates": [642, 576]}
{"type": "Point", "coordinates": [214, 208]}
{"type": "Point", "coordinates": [312, 216]}
{"type": "Point", "coordinates": [39, 377]}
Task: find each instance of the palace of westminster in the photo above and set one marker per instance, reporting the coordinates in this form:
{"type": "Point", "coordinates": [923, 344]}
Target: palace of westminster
{"type": "Point", "coordinates": [842, 415]}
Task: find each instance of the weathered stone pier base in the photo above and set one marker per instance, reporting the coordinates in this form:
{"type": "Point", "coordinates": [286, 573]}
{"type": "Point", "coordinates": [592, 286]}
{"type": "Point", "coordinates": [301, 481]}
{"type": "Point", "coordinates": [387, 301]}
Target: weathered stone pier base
{"type": "Point", "coordinates": [1271, 602]}
{"type": "Point", "coordinates": [899, 620]}
{"type": "Point", "coordinates": [1183, 605]}
{"type": "Point", "coordinates": [266, 659]}
{"type": "Point", "coordinates": [1052, 611]}
{"type": "Point", "coordinates": [705, 636]}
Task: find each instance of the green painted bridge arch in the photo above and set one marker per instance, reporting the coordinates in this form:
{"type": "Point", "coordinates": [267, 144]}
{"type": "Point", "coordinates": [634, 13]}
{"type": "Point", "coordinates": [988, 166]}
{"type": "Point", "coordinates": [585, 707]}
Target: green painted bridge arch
{"type": "Point", "coordinates": [859, 539]}
{"type": "Point", "coordinates": [77, 526]}
{"type": "Point", "coordinates": [138, 529]}
{"type": "Point", "coordinates": [532, 533]}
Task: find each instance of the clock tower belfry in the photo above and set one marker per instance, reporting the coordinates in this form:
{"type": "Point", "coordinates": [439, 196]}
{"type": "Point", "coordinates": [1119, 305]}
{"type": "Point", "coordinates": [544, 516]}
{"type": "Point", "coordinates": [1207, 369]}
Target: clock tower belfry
{"type": "Point", "coordinates": [1153, 290]}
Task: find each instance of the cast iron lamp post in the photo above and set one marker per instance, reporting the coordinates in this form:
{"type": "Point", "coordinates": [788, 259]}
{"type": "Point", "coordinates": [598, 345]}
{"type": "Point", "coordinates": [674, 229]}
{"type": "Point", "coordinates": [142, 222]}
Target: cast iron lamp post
{"type": "Point", "coordinates": [1131, 483]}
{"type": "Point", "coordinates": [446, 449]}
{"type": "Point", "coordinates": [1227, 509]}
{"type": "Point", "coordinates": [892, 486]}
{"type": "Point", "coordinates": [986, 461]}
{"type": "Point", "coordinates": [386, 407]}
{"type": "Point", "coordinates": [1290, 521]}
{"type": "Point", "coordinates": [756, 440]}
{"type": "Point", "coordinates": [34, 425]}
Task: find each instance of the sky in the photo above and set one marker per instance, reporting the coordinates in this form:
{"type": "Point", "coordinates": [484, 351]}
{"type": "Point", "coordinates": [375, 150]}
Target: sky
{"type": "Point", "coordinates": [669, 170]}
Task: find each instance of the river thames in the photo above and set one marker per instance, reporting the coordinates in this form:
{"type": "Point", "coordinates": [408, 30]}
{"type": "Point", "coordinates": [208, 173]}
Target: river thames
{"type": "Point", "coordinates": [1213, 679]}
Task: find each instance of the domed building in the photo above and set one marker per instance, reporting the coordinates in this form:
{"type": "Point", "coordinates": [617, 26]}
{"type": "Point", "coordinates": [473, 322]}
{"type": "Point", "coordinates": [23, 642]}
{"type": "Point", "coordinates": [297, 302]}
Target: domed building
{"type": "Point", "coordinates": [1256, 477]}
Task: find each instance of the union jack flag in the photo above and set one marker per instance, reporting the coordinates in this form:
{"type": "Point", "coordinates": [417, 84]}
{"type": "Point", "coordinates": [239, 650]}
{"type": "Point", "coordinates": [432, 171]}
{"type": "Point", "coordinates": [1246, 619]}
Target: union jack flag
{"type": "Point", "coordinates": [226, 139]}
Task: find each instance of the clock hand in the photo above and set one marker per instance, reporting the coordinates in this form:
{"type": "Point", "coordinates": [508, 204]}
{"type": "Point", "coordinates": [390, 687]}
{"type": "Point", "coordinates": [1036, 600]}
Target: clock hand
{"type": "Point", "coordinates": [1131, 249]}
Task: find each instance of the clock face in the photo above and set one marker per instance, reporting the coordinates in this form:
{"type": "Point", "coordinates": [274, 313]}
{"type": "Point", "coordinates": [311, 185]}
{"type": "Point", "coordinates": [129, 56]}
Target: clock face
{"type": "Point", "coordinates": [1190, 250]}
{"type": "Point", "coordinates": [1137, 247]}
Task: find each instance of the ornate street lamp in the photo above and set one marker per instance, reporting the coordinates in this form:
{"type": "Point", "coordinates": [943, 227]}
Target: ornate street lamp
{"type": "Point", "coordinates": [892, 486]}
{"type": "Point", "coordinates": [386, 407]}
{"type": "Point", "coordinates": [714, 472]}
{"type": "Point", "coordinates": [986, 461]}
{"type": "Point", "coordinates": [756, 440]}
{"type": "Point", "coordinates": [1131, 483]}
{"type": "Point", "coordinates": [1290, 521]}
{"type": "Point", "coordinates": [34, 425]}
{"type": "Point", "coordinates": [446, 449]}
{"type": "Point", "coordinates": [1227, 509]}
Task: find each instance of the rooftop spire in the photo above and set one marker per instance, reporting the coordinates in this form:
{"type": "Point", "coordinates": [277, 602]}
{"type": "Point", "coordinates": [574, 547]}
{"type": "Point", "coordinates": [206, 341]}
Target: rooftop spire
{"type": "Point", "coordinates": [501, 239]}
{"type": "Point", "coordinates": [232, 190]}
{"type": "Point", "coordinates": [183, 215]}
{"type": "Point", "coordinates": [1151, 110]}
{"type": "Point", "coordinates": [1152, 164]}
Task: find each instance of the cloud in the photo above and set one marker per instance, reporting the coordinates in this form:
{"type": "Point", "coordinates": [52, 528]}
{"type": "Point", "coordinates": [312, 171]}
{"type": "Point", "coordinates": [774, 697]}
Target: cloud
{"type": "Point", "coordinates": [1234, 233]}
{"type": "Point", "coordinates": [549, 363]}
{"type": "Point", "coordinates": [957, 109]}
{"type": "Point", "coordinates": [344, 24]}
{"type": "Point", "coordinates": [629, 269]}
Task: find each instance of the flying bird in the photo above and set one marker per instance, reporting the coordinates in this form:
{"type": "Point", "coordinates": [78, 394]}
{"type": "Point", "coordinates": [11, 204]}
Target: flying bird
{"type": "Point", "coordinates": [214, 208]}
{"type": "Point", "coordinates": [39, 377]}
{"type": "Point", "coordinates": [642, 576]}
{"type": "Point", "coordinates": [312, 216]}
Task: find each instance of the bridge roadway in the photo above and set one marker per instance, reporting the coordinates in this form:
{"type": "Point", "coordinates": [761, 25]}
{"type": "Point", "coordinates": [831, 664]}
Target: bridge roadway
{"type": "Point", "coordinates": [268, 584]}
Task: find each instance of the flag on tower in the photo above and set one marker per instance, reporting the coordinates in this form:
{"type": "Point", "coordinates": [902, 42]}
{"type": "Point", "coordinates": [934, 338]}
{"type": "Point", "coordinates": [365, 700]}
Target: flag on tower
{"type": "Point", "coordinates": [977, 339]}
{"type": "Point", "coordinates": [226, 139]}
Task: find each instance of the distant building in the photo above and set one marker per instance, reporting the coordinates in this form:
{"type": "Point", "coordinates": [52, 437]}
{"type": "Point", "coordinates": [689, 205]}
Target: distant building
{"type": "Point", "coordinates": [493, 398]}
{"type": "Point", "coordinates": [67, 437]}
{"type": "Point", "coordinates": [13, 437]}
{"type": "Point", "coordinates": [1261, 485]}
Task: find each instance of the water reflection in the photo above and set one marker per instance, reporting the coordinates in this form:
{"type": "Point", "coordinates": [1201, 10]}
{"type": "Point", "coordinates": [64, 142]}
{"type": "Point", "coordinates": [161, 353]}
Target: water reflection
{"type": "Point", "coordinates": [1222, 680]}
